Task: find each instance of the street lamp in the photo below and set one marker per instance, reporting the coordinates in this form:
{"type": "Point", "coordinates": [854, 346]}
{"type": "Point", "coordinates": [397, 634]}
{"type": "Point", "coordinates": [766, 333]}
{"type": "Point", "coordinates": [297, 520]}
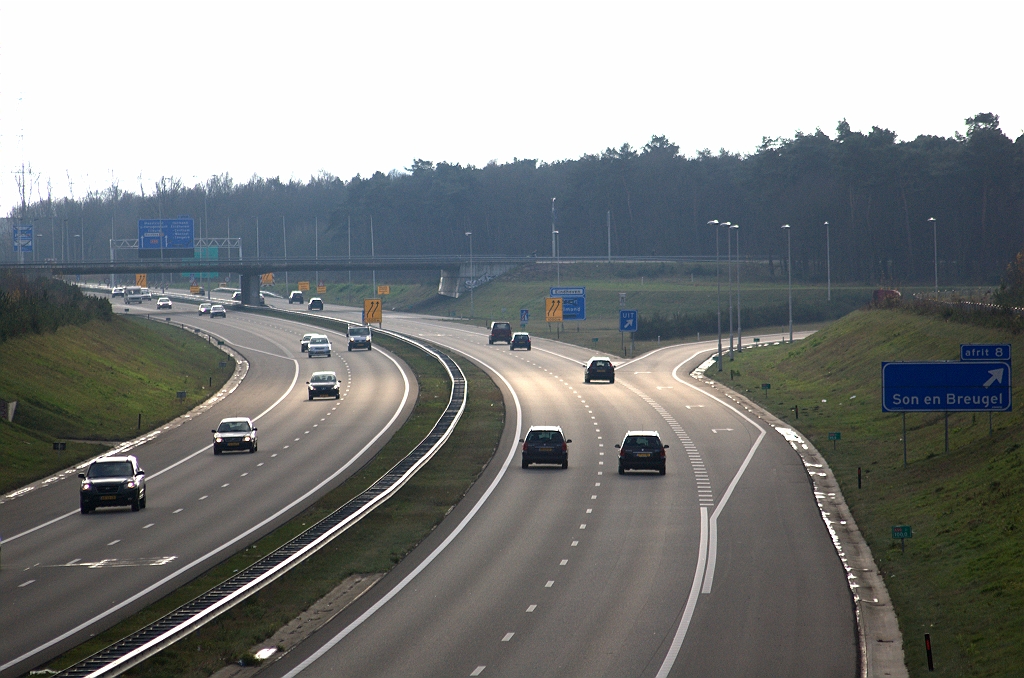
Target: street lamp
{"type": "Point", "coordinates": [828, 262]}
{"type": "Point", "coordinates": [553, 231]}
{"type": "Point", "coordinates": [935, 247]}
{"type": "Point", "coordinates": [739, 312]}
{"type": "Point", "coordinates": [789, 270]}
{"type": "Point", "coordinates": [469, 234]}
{"type": "Point", "coordinates": [558, 260]}
{"type": "Point", "coordinates": [718, 280]}
{"type": "Point", "coordinates": [728, 259]}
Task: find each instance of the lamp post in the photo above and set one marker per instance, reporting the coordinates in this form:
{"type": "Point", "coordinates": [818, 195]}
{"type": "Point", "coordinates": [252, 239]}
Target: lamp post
{"type": "Point", "coordinates": [828, 262]}
{"type": "Point", "coordinates": [789, 270]}
{"type": "Point", "coordinates": [553, 231]}
{"type": "Point", "coordinates": [558, 260]}
{"type": "Point", "coordinates": [739, 312]}
{"type": "Point", "coordinates": [935, 250]}
{"type": "Point", "coordinates": [718, 280]}
{"type": "Point", "coordinates": [469, 234]}
{"type": "Point", "coordinates": [316, 247]}
{"type": "Point", "coordinates": [284, 235]}
{"type": "Point", "coordinates": [728, 265]}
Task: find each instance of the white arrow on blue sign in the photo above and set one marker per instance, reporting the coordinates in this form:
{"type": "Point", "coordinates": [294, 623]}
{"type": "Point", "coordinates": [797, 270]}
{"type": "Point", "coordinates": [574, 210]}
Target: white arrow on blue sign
{"type": "Point", "coordinates": [947, 387]}
{"type": "Point", "coordinates": [627, 321]}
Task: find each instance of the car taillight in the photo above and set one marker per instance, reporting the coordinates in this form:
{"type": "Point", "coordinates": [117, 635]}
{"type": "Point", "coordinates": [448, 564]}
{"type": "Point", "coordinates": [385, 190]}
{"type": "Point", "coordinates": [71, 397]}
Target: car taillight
{"type": "Point", "coordinates": [663, 453]}
{"type": "Point", "coordinates": [524, 447]}
{"type": "Point", "coordinates": [565, 448]}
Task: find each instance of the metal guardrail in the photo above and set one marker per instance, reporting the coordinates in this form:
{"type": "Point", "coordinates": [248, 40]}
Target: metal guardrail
{"type": "Point", "coordinates": [146, 642]}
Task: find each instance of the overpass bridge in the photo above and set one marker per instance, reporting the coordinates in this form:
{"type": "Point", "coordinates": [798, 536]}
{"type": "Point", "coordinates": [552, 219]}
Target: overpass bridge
{"type": "Point", "coordinates": [249, 270]}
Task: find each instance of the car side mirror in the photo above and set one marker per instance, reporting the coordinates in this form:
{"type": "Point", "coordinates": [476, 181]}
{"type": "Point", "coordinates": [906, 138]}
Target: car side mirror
{"type": "Point", "coordinates": [253, 429]}
{"type": "Point", "coordinates": [665, 446]}
{"type": "Point", "coordinates": [568, 441]}
{"type": "Point", "coordinates": [81, 475]}
{"type": "Point", "coordinates": [617, 446]}
{"type": "Point", "coordinates": [141, 472]}
{"type": "Point", "coordinates": [307, 382]}
{"type": "Point", "coordinates": [213, 430]}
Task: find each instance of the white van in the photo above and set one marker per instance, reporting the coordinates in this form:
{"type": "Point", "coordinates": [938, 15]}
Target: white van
{"type": "Point", "coordinates": [133, 294]}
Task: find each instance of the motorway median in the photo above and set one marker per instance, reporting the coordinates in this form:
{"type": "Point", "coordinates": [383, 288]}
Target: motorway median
{"type": "Point", "coordinates": [372, 546]}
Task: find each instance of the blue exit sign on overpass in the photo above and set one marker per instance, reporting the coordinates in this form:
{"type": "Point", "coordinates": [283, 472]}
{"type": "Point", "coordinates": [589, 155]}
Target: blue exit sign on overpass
{"type": "Point", "coordinates": [946, 387]}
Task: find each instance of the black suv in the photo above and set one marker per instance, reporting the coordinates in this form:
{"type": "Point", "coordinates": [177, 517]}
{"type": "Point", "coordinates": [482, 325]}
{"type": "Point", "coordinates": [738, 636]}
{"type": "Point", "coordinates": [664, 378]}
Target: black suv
{"type": "Point", "coordinates": [234, 433]}
{"type": "Point", "coordinates": [324, 384]}
{"type": "Point", "coordinates": [599, 367]}
{"type": "Point", "coordinates": [545, 445]}
{"type": "Point", "coordinates": [642, 450]}
{"type": "Point", "coordinates": [500, 332]}
{"type": "Point", "coordinates": [296, 298]}
{"type": "Point", "coordinates": [520, 340]}
{"type": "Point", "coordinates": [113, 481]}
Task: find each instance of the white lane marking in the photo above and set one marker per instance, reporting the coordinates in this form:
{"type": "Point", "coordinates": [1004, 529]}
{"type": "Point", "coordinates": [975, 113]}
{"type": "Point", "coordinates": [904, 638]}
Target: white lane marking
{"type": "Point", "coordinates": [113, 542]}
{"type": "Point", "coordinates": [225, 485]}
{"type": "Point", "coordinates": [478, 670]}
{"type": "Point", "coordinates": [205, 496]}
{"type": "Point", "coordinates": [590, 510]}
{"type": "Point", "coordinates": [583, 526]}
{"type": "Point", "coordinates": [72, 562]}
{"type": "Point", "coordinates": [508, 637]}
{"type": "Point", "coordinates": [245, 474]}
{"type": "Point", "coordinates": [563, 563]}
{"type": "Point", "coordinates": [228, 544]}
{"type": "Point", "coordinates": [593, 496]}
{"type": "Point", "coordinates": [531, 608]}
{"type": "Point", "coordinates": [549, 584]}
{"type": "Point", "coordinates": [691, 602]}
{"type": "Point", "coordinates": [326, 647]}
{"type": "Point", "coordinates": [575, 543]}
{"type": "Point", "coordinates": [21, 586]}
{"type": "Point", "coordinates": [178, 510]}
{"type": "Point", "coordinates": [146, 527]}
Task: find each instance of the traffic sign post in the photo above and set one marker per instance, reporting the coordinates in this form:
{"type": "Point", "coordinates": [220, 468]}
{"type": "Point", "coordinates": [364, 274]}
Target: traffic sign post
{"type": "Point", "coordinates": [574, 302]}
{"type": "Point", "coordinates": [765, 387]}
{"type": "Point", "coordinates": [372, 312]}
{"type": "Point", "coordinates": [834, 436]}
{"type": "Point", "coordinates": [524, 317]}
{"type": "Point", "coordinates": [628, 322]}
{"type": "Point", "coordinates": [902, 532]}
{"type": "Point", "coordinates": [553, 310]}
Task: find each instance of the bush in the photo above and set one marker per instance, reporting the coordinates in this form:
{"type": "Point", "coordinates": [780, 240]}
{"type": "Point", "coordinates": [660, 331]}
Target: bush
{"type": "Point", "coordinates": [38, 305]}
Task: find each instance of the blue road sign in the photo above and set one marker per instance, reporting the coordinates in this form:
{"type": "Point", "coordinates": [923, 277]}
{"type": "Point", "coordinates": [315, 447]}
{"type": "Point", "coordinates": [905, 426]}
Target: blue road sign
{"type": "Point", "coordinates": [627, 321]}
{"type": "Point", "coordinates": [524, 315]}
{"type": "Point", "coordinates": [574, 302]}
{"type": "Point", "coordinates": [946, 387]}
{"type": "Point", "coordinates": [168, 234]}
{"type": "Point", "coordinates": [23, 238]}
{"type": "Point", "coordinates": [985, 352]}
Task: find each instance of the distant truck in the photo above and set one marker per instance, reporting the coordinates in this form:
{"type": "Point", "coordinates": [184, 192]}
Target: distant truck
{"type": "Point", "coordinates": [133, 294]}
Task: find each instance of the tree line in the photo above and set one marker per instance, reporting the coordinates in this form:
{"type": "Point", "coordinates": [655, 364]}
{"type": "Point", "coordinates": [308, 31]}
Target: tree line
{"type": "Point", "coordinates": [878, 194]}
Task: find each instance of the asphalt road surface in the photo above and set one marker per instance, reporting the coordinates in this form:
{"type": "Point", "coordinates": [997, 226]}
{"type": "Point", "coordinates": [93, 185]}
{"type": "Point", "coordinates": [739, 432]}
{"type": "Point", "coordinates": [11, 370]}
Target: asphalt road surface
{"type": "Point", "coordinates": [67, 576]}
{"type": "Point", "coordinates": [722, 567]}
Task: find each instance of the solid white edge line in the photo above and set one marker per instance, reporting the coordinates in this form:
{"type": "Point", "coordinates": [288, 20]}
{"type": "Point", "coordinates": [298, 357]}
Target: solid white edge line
{"type": "Point", "coordinates": [326, 647]}
{"type": "Point", "coordinates": [232, 541]}
{"type": "Point", "coordinates": [691, 602]}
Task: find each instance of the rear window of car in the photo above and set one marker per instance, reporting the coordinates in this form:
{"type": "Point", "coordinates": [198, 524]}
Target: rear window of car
{"type": "Point", "coordinates": [642, 442]}
{"type": "Point", "coordinates": [233, 427]}
{"type": "Point", "coordinates": [501, 326]}
{"type": "Point", "coordinates": [600, 363]}
{"type": "Point", "coordinates": [110, 469]}
{"type": "Point", "coordinates": [542, 437]}
{"type": "Point", "coordinates": [323, 379]}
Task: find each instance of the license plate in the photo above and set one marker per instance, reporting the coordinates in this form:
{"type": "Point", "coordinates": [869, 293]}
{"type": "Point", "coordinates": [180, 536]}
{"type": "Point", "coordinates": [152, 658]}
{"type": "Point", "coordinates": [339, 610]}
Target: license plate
{"type": "Point", "coordinates": [544, 449]}
{"type": "Point", "coordinates": [108, 497]}
{"type": "Point", "coordinates": [232, 444]}
{"type": "Point", "coordinates": [644, 454]}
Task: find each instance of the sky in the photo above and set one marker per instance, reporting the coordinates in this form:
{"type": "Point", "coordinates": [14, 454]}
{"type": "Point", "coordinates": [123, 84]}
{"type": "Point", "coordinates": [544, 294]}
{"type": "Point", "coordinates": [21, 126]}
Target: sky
{"type": "Point", "coordinates": [96, 93]}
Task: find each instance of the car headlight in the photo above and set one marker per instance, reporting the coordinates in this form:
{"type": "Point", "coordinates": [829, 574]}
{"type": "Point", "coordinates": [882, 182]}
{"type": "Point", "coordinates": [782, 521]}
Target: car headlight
{"type": "Point", "coordinates": [246, 439]}
{"type": "Point", "coordinates": [130, 484]}
{"type": "Point", "coordinates": [86, 485]}
{"type": "Point", "coordinates": [218, 439]}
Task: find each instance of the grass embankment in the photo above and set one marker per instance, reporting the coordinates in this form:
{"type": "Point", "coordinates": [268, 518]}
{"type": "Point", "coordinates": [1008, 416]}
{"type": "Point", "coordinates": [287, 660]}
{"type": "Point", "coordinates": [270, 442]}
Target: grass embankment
{"type": "Point", "coordinates": [962, 576]}
{"type": "Point", "coordinates": [90, 383]}
{"type": "Point", "coordinates": [375, 544]}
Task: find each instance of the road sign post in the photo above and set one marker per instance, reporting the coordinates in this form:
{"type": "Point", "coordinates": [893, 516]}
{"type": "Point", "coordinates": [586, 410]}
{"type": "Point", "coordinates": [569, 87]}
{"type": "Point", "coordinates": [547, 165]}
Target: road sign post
{"type": "Point", "coordinates": [372, 312]}
{"type": "Point", "coordinates": [834, 436]}
{"type": "Point", "coordinates": [628, 322]}
{"type": "Point", "coordinates": [902, 532]}
{"type": "Point", "coordinates": [574, 302]}
{"type": "Point", "coordinates": [524, 317]}
{"type": "Point", "coordinates": [981, 386]}
{"type": "Point", "coordinates": [765, 387]}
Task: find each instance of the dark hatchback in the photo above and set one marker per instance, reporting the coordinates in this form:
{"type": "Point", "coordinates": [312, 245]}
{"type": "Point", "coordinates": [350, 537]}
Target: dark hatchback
{"type": "Point", "coordinates": [113, 481]}
{"type": "Point", "coordinates": [315, 304]}
{"type": "Point", "coordinates": [520, 340]}
{"type": "Point", "coordinates": [545, 445]}
{"type": "Point", "coordinates": [642, 450]}
{"type": "Point", "coordinates": [324, 384]}
{"type": "Point", "coordinates": [500, 332]}
{"type": "Point", "coordinates": [599, 367]}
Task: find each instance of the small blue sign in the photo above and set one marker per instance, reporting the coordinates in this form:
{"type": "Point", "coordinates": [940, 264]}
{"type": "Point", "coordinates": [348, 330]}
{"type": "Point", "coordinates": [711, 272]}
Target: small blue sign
{"type": "Point", "coordinates": [627, 321]}
{"type": "Point", "coordinates": [524, 316]}
{"type": "Point", "coordinates": [974, 352]}
{"type": "Point", "coordinates": [574, 302]}
{"type": "Point", "coordinates": [946, 387]}
{"type": "Point", "coordinates": [23, 238]}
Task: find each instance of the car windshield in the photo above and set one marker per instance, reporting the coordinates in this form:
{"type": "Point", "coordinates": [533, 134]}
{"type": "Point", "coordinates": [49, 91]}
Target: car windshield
{"type": "Point", "coordinates": [323, 379]}
{"type": "Point", "coordinates": [318, 340]}
{"type": "Point", "coordinates": [359, 332]}
{"type": "Point", "coordinates": [642, 441]}
{"type": "Point", "coordinates": [110, 469]}
{"type": "Point", "coordinates": [205, 305]}
{"type": "Point", "coordinates": [218, 308]}
{"type": "Point", "coordinates": [307, 337]}
{"type": "Point", "coordinates": [542, 437]}
{"type": "Point", "coordinates": [233, 427]}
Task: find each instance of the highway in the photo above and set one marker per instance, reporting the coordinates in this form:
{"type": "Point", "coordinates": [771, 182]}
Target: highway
{"type": "Point", "coordinates": [67, 576]}
{"type": "Point", "coordinates": [722, 567]}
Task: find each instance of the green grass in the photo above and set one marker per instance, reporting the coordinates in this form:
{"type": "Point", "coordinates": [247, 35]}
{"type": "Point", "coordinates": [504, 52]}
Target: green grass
{"type": "Point", "coordinates": [962, 576]}
{"type": "Point", "coordinates": [91, 383]}
{"type": "Point", "coordinates": [375, 544]}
